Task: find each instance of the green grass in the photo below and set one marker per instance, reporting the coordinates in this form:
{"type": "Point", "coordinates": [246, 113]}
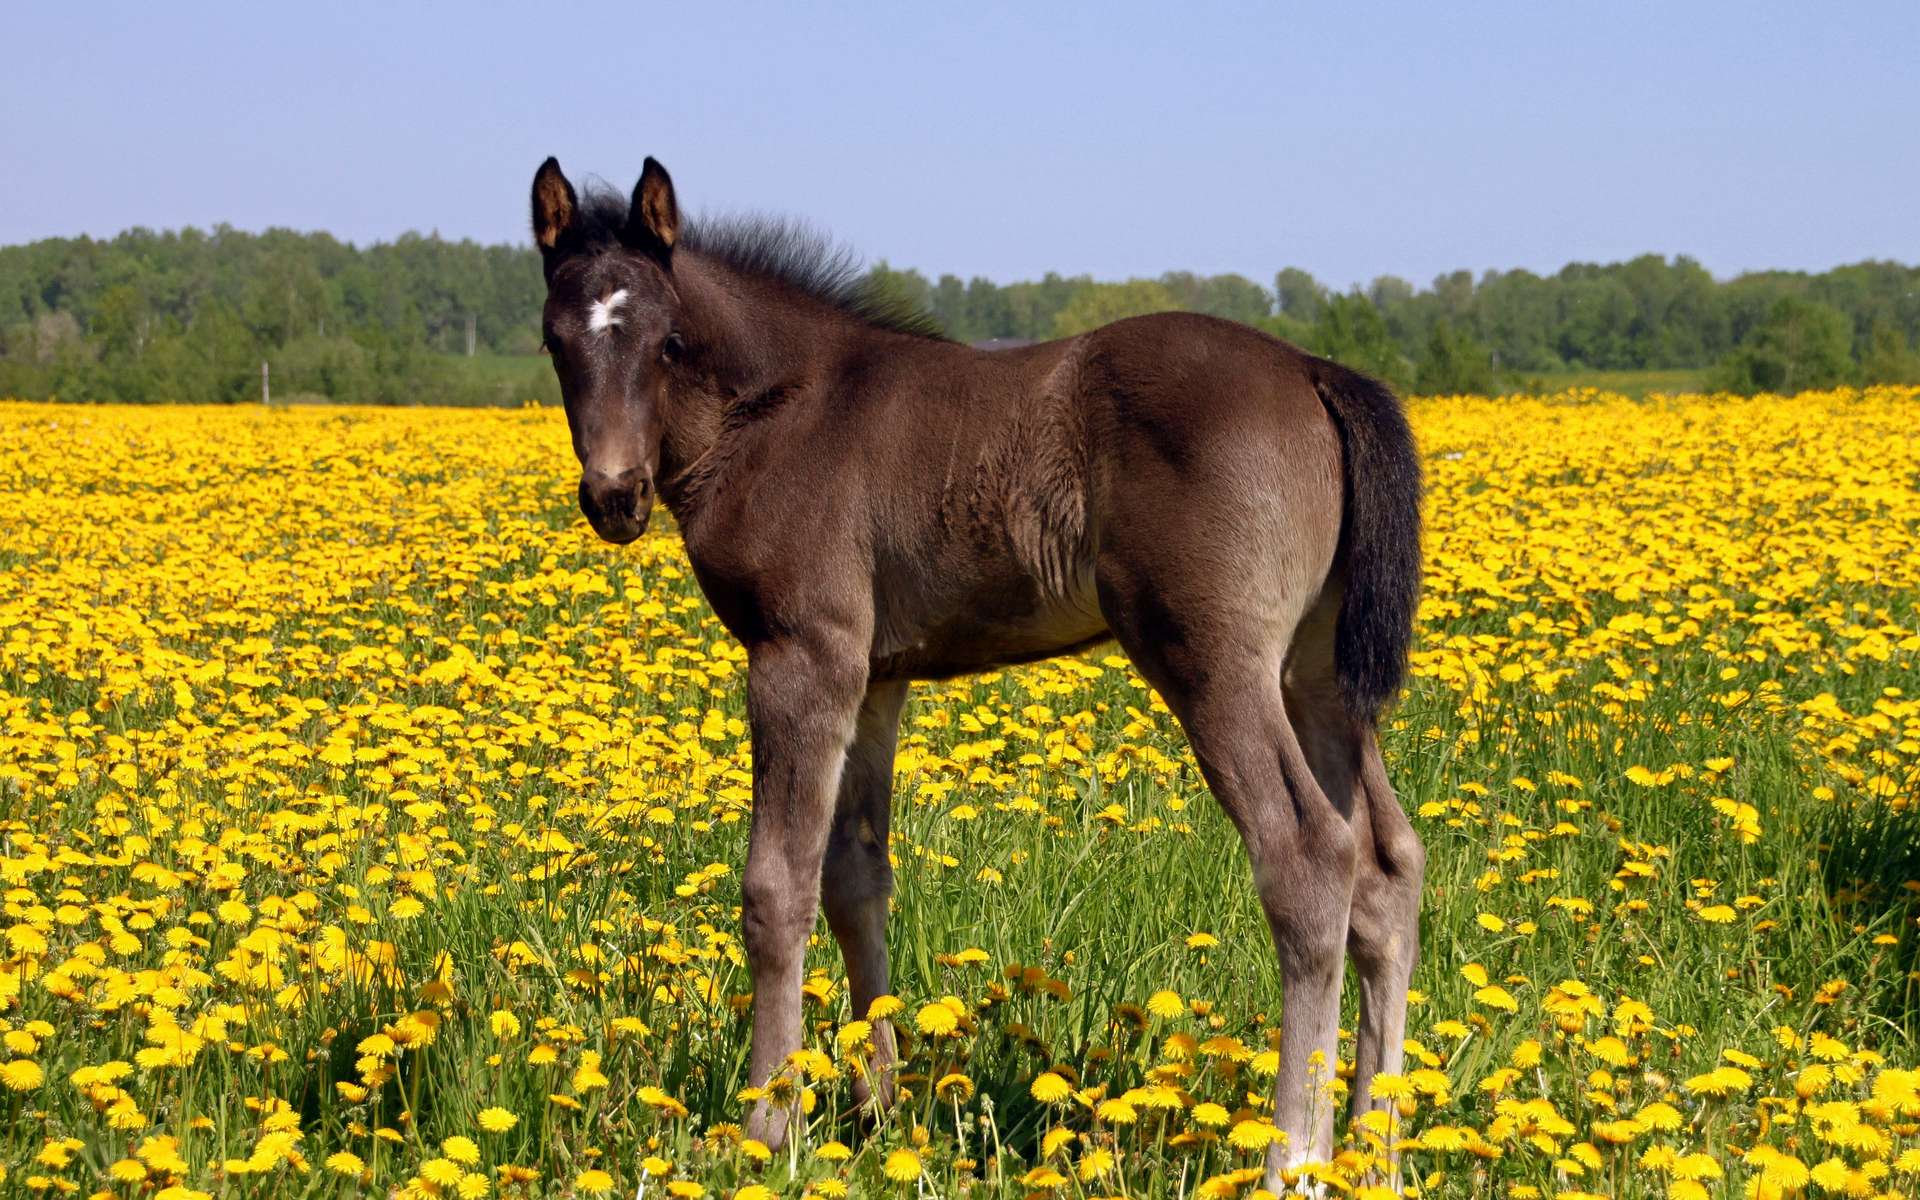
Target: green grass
{"type": "Point", "coordinates": [1635, 384]}
{"type": "Point", "coordinates": [510, 380]}
{"type": "Point", "coordinates": [501, 368]}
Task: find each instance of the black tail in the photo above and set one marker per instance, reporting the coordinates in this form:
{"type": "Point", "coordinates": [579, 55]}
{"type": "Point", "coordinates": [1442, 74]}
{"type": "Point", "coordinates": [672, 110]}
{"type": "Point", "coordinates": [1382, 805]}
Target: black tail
{"type": "Point", "coordinates": [1380, 537]}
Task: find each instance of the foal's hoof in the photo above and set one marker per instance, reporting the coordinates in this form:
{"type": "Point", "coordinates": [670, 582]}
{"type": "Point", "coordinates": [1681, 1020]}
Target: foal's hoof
{"type": "Point", "coordinates": [769, 1125]}
{"type": "Point", "coordinates": [1303, 1183]}
{"type": "Point", "coordinates": [863, 1110]}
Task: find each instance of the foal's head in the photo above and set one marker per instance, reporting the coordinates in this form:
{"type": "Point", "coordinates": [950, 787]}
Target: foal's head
{"type": "Point", "coordinates": [609, 325]}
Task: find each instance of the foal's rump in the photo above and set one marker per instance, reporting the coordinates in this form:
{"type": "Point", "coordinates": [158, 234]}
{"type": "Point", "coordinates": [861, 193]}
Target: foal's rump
{"type": "Point", "coordinates": [1238, 478]}
{"type": "Point", "coordinates": [1217, 482]}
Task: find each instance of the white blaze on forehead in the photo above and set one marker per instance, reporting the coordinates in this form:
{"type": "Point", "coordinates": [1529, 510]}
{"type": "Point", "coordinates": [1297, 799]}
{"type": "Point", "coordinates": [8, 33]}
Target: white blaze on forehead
{"type": "Point", "coordinates": [603, 315]}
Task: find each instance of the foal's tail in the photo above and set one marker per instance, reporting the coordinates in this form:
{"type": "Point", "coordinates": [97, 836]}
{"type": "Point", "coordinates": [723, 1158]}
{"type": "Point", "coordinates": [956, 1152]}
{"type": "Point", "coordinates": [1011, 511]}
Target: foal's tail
{"type": "Point", "coordinates": [1380, 538]}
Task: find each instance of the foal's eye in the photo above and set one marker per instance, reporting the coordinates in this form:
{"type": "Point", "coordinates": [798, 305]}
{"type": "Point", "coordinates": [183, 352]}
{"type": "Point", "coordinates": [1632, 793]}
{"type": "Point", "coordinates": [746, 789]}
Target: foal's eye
{"type": "Point", "coordinates": [673, 347]}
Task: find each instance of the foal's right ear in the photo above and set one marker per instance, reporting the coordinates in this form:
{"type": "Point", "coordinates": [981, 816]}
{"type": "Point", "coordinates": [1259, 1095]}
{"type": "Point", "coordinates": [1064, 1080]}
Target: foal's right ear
{"type": "Point", "coordinates": [555, 207]}
{"type": "Point", "coordinates": [653, 219]}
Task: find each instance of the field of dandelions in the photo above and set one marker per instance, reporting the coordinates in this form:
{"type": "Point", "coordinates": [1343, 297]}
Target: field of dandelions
{"type": "Point", "coordinates": [369, 828]}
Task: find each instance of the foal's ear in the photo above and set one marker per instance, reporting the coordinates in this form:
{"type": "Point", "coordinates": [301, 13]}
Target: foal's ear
{"type": "Point", "coordinates": [555, 208]}
{"type": "Point", "coordinates": [653, 220]}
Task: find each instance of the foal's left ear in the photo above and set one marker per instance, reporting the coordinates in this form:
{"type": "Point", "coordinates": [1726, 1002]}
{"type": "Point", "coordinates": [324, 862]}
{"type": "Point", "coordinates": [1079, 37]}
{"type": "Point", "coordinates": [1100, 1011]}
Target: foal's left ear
{"type": "Point", "coordinates": [653, 219]}
{"type": "Point", "coordinates": [554, 207]}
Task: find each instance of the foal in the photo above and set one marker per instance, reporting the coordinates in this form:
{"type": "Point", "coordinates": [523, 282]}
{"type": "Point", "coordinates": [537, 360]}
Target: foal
{"type": "Point", "coordinates": [865, 504]}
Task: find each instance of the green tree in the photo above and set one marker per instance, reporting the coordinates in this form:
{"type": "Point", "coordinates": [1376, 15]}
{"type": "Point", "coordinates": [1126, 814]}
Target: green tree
{"type": "Point", "coordinates": [1352, 332]}
{"type": "Point", "coordinates": [1300, 295]}
{"type": "Point", "coordinates": [1454, 363]}
{"type": "Point", "coordinates": [1595, 316]}
{"type": "Point", "coordinates": [1889, 359]}
{"type": "Point", "coordinates": [948, 304]}
{"type": "Point", "coordinates": [1399, 306]}
{"type": "Point", "coordinates": [1453, 296]}
{"type": "Point", "coordinates": [1516, 315]}
{"type": "Point", "coordinates": [1802, 344]}
{"type": "Point", "coordinates": [906, 289]}
{"type": "Point", "coordinates": [121, 322]}
{"type": "Point", "coordinates": [1232, 297]}
{"type": "Point", "coordinates": [989, 310]}
{"type": "Point", "coordinates": [1097, 304]}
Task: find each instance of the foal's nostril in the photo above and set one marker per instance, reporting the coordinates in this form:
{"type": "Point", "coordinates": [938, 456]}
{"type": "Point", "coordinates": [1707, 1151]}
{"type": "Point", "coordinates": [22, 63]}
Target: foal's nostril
{"type": "Point", "coordinates": [616, 505]}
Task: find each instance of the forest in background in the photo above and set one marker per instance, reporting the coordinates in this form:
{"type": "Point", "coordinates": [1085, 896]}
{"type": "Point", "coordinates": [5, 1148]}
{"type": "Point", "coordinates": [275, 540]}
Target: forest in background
{"type": "Point", "coordinates": [190, 315]}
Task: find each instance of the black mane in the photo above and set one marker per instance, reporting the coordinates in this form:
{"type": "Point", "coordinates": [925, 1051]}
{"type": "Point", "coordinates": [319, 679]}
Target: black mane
{"type": "Point", "coordinates": [599, 218]}
{"type": "Point", "coordinates": [788, 252]}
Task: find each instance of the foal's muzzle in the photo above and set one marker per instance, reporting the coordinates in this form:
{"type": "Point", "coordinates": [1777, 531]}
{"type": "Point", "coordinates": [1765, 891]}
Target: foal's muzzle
{"type": "Point", "coordinates": [617, 506]}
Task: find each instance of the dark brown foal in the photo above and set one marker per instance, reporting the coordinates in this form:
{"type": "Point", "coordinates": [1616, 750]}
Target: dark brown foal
{"type": "Point", "coordinates": [866, 504]}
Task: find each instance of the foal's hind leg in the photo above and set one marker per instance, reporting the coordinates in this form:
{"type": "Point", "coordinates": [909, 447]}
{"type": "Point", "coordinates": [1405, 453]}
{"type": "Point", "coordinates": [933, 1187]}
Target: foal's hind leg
{"type": "Point", "coordinates": [1219, 671]}
{"type": "Point", "coordinates": [1384, 935]}
{"type": "Point", "coordinates": [856, 877]}
{"type": "Point", "coordinates": [1383, 926]}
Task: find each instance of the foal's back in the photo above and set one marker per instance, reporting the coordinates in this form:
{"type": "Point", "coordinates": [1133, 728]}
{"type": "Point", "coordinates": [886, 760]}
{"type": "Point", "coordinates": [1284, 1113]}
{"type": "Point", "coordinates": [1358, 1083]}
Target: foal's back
{"type": "Point", "coordinates": [1173, 444]}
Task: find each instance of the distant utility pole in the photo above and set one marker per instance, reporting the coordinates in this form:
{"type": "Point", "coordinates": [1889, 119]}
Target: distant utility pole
{"type": "Point", "coordinates": [470, 333]}
{"type": "Point", "coordinates": [266, 396]}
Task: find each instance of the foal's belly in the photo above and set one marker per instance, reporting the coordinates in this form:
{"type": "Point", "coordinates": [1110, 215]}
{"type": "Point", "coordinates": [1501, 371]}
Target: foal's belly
{"type": "Point", "coordinates": [1008, 626]}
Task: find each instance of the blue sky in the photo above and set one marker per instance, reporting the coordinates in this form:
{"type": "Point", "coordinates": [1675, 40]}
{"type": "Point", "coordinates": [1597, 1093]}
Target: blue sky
{"type": "Point", "coordinates": [1004, 140]}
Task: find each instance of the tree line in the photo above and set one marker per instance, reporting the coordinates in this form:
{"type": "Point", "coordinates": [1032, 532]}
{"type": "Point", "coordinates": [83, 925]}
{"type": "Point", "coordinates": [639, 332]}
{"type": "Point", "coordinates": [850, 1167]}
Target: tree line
{"type": "Point", "coordinates": [1760, 331]}
{"type": "Point", "coordinates": [190, 315]}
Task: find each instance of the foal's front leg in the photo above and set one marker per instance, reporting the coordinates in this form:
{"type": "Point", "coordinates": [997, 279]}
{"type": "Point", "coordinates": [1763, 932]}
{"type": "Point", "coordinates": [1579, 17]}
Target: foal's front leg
{"type": "Point", "coordinates": [803, 696]}
{"type": "Point", "coordinates": [856, 879]}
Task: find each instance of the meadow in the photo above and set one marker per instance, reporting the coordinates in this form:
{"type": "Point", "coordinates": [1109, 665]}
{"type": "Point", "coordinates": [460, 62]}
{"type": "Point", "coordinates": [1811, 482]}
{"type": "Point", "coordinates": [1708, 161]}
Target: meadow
{"type": "Point", "coordinates": [369, 828]}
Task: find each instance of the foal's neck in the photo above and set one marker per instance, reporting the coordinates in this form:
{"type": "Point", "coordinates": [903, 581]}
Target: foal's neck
{"type": "Point", "coordinates": [760, 346]}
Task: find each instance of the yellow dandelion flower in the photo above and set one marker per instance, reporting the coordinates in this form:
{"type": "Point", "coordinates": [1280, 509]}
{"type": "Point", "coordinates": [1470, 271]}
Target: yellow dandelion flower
{"type": "Point", "coordinates": [342, 1162]}
{"type": "Point", "coordinates": [936, 1019]}
{"type": "Point", "coordinates": [1094, 1163]}
{"type": "Point", "coordinates": [588, 1076]}
{"type": "Point", "coordinates": [902, 1166]}
{"type": "Point", "coordinates": [22, 1075]}
{"type": "Point", "coordinates": [1210, 1115]}
{"type": "Point", "coordinates": [1495, 996]}
{"type": "Point", "coordinates": [1827, 1048]}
